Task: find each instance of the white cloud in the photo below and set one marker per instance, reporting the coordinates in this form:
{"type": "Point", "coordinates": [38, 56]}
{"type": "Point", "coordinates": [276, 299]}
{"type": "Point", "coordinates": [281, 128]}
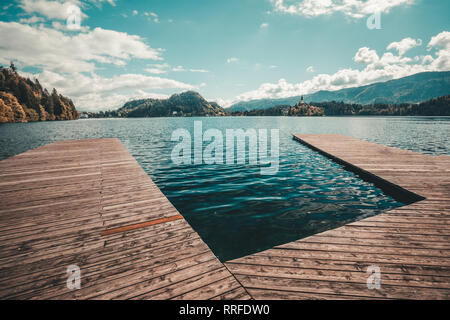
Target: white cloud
{"type": "Point", "coordinates": [198, 70]}
{"type": "Point", "coordinates": [31, 20]}
{"type": "Point", "coordinates": [352, 8]}
{"type": "Point", "coordinates": [366, 56]}
{"type": "Point", "coordinates": [157, 68]}
{"type": "Point", "coordinates": [427, 59]}
{"type": "Point", "coordinates": [231, 60]}
{"type": "Point", "coordinates": [162, 68]}
{"type": "Point", "coordinates": [264, 25]}
{"type": "Point", "coordinates": [222, 102]}
{"type": "Point", "coordinates": [135, 12]}
{"type": "Point", "coordinates": [310, 69]}
{"type": "Point", "coordinates": [78, 84]}
{"type": "Point", "coordinates": [141, 94]}
{"type": "Point", "coordinates": [50, 9]}
{"type": "Point", "coordinates": [97, 2]}
{"type": "Point", "coordinates": [63, 27]}
{"type": "Point", "coordinates": [182, 69]}
{"type": "Point", "coordinates": [404, 45]}
{"type": "Point", "coordinates": [51, 49]}
{"type": "Point", "coordinates": [95, 92]}
{"type": "Point", "coordinates": [375, 69]}
{"type": "Point", "coordinates": [70, 61]}
{"type": "Point", "coordinates": [440, 40]}
{"type": "Point", "coordinates": [152, 16]}
{"type": "Point", "coordinates": [178, 69]}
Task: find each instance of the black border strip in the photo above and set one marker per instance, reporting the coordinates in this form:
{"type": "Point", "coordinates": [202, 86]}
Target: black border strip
{"type": "Point", "coordinates": [398, 193]}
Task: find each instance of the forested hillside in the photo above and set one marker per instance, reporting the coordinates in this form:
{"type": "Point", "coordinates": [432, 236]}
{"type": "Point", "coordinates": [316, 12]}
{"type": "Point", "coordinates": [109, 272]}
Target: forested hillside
{"type": "Point", "coordinates": [24, 100]}
{"type": "Point", "coordinates": [434, 107]}
{"type": "Point", "coordinates": [186, 104]}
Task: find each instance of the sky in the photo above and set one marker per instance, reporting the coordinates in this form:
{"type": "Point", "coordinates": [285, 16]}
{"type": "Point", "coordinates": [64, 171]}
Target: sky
{"type": "Point", "coordinates": [102, 53]}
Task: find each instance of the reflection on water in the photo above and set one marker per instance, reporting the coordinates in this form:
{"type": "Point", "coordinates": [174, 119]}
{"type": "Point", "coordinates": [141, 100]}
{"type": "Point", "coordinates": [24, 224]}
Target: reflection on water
{"type": "Point", "coordinates": [233, 208]}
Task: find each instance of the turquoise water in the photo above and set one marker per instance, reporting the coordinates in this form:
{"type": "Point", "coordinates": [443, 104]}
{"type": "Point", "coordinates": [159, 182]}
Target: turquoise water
{"type": "Point", "coordinates": [235, 209]}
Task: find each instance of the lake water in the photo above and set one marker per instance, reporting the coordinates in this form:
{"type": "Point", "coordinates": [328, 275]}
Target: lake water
{"type": "Point", "coordinates": [236, 210]}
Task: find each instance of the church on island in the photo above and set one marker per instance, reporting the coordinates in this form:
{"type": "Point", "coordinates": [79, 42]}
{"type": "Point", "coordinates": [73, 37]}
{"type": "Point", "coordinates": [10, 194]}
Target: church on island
{"type": "Point", "coordinates": [286, 111]}
{"type": "Point", "coordinates": [301, 103]}
{"type": "Point", "coordinates": [302, 109]}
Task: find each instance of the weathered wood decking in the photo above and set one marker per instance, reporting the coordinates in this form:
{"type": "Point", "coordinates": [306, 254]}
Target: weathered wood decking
{"type": "Point", "coordinates": [89, 203]}
{"type": "Point", "coordinates": [410, 244]}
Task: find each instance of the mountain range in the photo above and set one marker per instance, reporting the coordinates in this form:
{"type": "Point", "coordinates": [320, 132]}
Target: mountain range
{"type": "Point", "coordinates": [412, 89]}
{"type": "Point", "coordinates": [439, 106]}
{"type": "Point", "coordinates": [402, 96]}
{"type": "Point", "coordinates": [186, 104]}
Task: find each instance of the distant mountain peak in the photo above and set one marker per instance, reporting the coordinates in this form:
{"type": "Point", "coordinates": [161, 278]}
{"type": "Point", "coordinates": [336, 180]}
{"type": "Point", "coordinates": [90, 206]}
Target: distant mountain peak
{"type": "Point", "coordinates": [188, 103]}
{"type": "Point", "coordinates": [415, 88]}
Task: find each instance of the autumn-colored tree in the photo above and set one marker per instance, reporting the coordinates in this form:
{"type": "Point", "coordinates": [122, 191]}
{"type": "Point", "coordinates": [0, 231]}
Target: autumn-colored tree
{"type": "Point", "coordinates": [13, 67]}
{"type": "Point", "coordinates": [25, 100]}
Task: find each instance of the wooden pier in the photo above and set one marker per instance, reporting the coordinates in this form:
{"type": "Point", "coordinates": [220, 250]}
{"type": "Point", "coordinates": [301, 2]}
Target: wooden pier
{"type": "Point", "coordinates": [89, 204]}
{"type": "Point", "coordinates": [410, 245]}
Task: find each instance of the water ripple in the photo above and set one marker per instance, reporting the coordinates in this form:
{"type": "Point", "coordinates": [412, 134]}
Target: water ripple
{"type": "Point", "coordinates": [235, 209]}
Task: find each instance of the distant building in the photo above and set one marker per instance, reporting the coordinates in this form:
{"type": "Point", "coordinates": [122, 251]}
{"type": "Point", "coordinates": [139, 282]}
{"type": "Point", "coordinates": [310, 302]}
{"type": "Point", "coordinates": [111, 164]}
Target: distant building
{"type": "Point", "coordinates": [301, 103]}
{"type": "Point", "coordinates": [84, 116]}
{"type": "Point", "coordinates": [285, 111]}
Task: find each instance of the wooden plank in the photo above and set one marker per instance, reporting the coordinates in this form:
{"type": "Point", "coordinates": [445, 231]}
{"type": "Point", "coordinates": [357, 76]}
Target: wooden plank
{"type": "Point", "coordinates": [235, 294]}
{"type": "Point", "coordinates": [409, 244]}
{"type": "Point", "coordinates": [89, 203]}
{"type": "Point", "coordinates": [141, 225]}
{"type": "Point", "coordinates": [357, 276]}
{"type": "Point", "coordinates": [342, 288]}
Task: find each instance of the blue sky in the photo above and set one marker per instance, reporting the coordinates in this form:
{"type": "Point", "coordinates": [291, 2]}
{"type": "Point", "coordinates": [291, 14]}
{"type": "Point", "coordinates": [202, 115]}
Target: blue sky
{"type": "Point", "coordinates": [227, 50]}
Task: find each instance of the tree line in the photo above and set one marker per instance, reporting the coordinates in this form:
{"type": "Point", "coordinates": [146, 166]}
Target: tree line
{"type": "Point", "coordinates": [434, 107]}
{"type": "Point", "coordinates": [24, 100]}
